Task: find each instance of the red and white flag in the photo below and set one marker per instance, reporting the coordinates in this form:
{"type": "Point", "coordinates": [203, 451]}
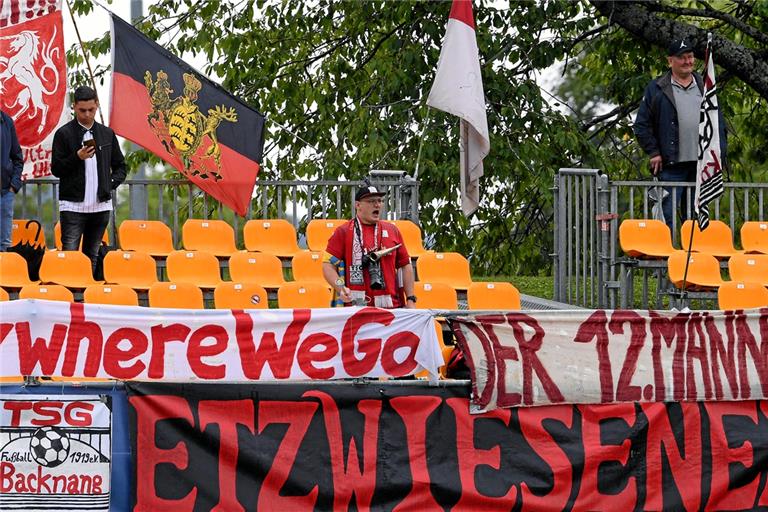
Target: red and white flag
{"type": "Point", "coordinates": [458, 90]}
{"type": "Point", "coordinates": [709, 172]}
{"type": "Point", "coordinates": [33, 77]}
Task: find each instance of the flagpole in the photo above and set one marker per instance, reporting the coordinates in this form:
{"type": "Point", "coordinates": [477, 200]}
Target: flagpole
{"type": "Point", "coordinates": [85, 56]}
{"type": "Point", "coordinates": [687, 261]}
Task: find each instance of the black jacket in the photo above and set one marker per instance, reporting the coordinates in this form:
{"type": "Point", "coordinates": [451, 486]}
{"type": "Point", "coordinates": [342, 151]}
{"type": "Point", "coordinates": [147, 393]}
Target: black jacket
{"type": "Point", "coordinates": [11, 157]}
{"type": "Point", "coordinates": [656, 122]}
{"type": "Point", "coordinates": [67, 166]}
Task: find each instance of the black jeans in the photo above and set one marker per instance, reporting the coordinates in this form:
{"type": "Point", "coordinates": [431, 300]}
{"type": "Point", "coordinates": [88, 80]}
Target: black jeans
{"type": "Point", "coordinates": [88, 226]}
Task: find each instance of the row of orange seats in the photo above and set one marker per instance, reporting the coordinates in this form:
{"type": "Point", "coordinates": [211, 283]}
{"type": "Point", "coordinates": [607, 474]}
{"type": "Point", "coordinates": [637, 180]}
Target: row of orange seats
{"type": "Point", "coordinates": [648, 238]}
{"type": "Point", "coordinates": [272, 236]}
{"type": "Point", "coordinates": [235, 295]}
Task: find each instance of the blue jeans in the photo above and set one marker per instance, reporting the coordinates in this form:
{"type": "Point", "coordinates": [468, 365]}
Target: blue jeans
{"type": "Point", "coordinates": [683, 171]}
{"type": "Point", "coordinates": [88, 226]}
{"type": "Point", "coordinates": [6, 218]}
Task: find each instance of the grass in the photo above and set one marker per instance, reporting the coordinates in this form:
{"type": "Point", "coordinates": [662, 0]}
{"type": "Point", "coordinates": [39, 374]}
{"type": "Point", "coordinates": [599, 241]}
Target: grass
{"type": "Point", "coordinates": [538, 286]}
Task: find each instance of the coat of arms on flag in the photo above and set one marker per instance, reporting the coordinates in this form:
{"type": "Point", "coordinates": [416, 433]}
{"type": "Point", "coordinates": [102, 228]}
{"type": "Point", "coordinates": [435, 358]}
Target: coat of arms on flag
{"type": "Point", "coordinates": [709, 172]}
{"type": "Point", "coordinates": [165, 106]}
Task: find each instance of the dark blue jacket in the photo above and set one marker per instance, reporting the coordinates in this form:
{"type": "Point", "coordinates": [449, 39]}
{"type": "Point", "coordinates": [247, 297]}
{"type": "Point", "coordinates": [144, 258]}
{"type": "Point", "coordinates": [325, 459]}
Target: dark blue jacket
{"type": "Point", "coordinates": [656, 122]}
{"type": "Point", "coordinates": [11, 157]}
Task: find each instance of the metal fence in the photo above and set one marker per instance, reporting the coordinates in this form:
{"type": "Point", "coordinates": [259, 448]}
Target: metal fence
{"type": "Point", "coordinates": [174, 201]}
{"type": "Point", "coordinates": [588, 209]}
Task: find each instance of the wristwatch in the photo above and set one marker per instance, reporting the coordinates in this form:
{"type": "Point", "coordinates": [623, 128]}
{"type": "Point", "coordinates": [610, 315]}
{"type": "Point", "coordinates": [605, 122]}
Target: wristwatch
{"type": "Point", "coordinates": [411, 298]}
{"type": "Point", "coordinates": [339, 284]}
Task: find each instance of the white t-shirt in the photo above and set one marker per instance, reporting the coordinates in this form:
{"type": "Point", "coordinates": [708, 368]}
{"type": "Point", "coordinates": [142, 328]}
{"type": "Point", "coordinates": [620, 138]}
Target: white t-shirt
{"type": "Point", "coordinates": [90, 202]}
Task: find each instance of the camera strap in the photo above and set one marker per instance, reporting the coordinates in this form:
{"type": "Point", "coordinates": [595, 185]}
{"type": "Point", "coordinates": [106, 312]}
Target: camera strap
{"type": "Point", "coordinates": [358, 249]}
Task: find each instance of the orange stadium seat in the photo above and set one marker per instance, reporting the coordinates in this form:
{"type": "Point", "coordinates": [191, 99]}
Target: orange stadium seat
{"type": "Point", "coordinates": [240, 296]}
{"type": "Point", "coordinates": [716, 240]}
{"type": "Point", "coordinates": [4, 295]}
{"type": "Point", "coordinates": [754, 236]}
{"type": "Point", "coordinates": [319, 231]}
{"type": "Point", "coordinates": [444, 267]}
{"type": "Point", "coordinates": [256, 267]}
{"type": "Point", "coordinates": [175, 295]}
{"type": "Point", "coordinates": [150, 236]}
{"type": "Point", "coordinates": [134, 269]}
{"type": "Point", "coordinates": [21, 232]}
{"type": "Point", "coordinates": [739, 295]}
{"type": "Point", "coordinates": [13, 270]}
{"type": "Point", "coordinates": [411, 237]}
{"type": "Point", "coordinates": [195, 267]}
{"type": "Point", "coordinates": [304, 295]}
{"type": "Point", "coordinates": [116, 294]}
{"type": "Point", "coordinates": [493, 296]}
{"type": "Point", "coordinates": [47, 292]}
{"type": "Point", "coordinates": [57, 236]}
{"type": "Point", "coordinates": [645, 238]}
{"type": "Point", "coordinates": [435, 296]}
{"type": "Point", "coordinates": [214, 236]}
{"type": "Point", "coordinates": [703, 270]}
{"type": "Point", "coordinates": [273, 236]}
{"type": "Point", "coordinates": [67, 268]}
{"type": "Point", "coordinates": [751, 268]}
{"type": "Point", "coordinates": [308, 266]}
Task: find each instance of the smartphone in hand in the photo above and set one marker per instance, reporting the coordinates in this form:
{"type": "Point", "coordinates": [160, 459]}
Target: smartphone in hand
{"type": "Point", "coordinates": [89, 144]}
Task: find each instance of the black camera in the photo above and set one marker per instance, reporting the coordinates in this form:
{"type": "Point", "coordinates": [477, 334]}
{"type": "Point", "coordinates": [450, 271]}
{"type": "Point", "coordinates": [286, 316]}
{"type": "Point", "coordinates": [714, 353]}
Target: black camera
{"type": "Point", "coordinates": [373, 264]}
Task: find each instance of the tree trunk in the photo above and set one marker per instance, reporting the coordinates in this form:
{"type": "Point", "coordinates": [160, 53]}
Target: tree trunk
{"type": "Point", "coordinates": [637, 19]}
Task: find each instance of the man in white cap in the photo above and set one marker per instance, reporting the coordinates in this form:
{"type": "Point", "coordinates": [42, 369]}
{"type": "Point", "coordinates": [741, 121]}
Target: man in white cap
{"type": "Point", "coordinates": [667, 124]}
{"type": "Point", "coordinates": [386, 283]}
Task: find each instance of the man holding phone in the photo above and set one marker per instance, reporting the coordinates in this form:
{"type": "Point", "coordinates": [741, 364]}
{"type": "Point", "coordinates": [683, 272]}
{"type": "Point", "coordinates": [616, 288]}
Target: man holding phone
{"type": "Point", "coordinates": [89, 164]}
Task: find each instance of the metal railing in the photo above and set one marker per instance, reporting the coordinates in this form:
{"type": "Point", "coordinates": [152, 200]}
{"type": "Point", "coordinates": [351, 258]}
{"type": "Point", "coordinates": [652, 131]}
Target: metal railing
{"type": "Point", "coordinates": [174, 201]}
{"type": "Point", "coordinates": [588, 211]}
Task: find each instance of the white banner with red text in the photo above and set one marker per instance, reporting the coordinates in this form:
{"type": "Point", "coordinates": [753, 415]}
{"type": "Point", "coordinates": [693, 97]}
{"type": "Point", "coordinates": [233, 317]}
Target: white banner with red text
{"type": "Point", "coordinates": [589, 356]}
{"type": "Point", "coordinates": [63, 339]}
{"type": "Point", "coordinates": [55, 452]}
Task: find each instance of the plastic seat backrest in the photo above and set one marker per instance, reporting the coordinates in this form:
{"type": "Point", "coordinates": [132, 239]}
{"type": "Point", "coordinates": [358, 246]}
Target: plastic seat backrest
{"type": "Point", "coordinates": [304, 295]}
{"type": "Point", "coordinates": [13, 270]}
{"type": "Point", "coordinates": [717, 239]}
{"type": "Point", "coordinates": [435, 296]}
{"type": "Point", "coordinates": [412, 238]}
{"type": "Point", "coordinates": [273, 236]}
{"type": "Point", "coordinates": [240, 296]}
{"type": "Point", "coordinates": [150, 236]}
{"type": "Point", "coordinates": [47, 292]}
{"type": "Point", "coordinates": [20, 233]}
{"type": "Point", "coordinates": [644, 238]}
{"type": "Point", "coordinates": [4, 295]}
{"type": "Point", "coordinates": [751, 268]}
{"type": "Point", "coordinates": [754, 236]}
{"type": "Point", "coordinates": [116, 294]}
{"type": "Point", "coordinates": [739, 295]}
{"type": "Point", "coordinates": [196, 267]}
{"type": "Point", "coordinates": [57, 236]}
{"type": "Point", "coordinates": [319, 231]}
{"type": "Point", "coordinates": [175, 295]}
{"type": "Point", "coordinates": [214, 236]}
{"type": "Point", "coordinates": [68, 268]}
{"type": "Point", "coordinates": [444, 267]}
{"type": "Point", "coordinates": [703, 270]}
{"type": "Point", "coordinates": [308, 266]}
{"type": "Point", "coordinates": [493, 296]}
{"type": "Point", "coordinates": [256, 267]}
{"type": "Point", "coordinates": [134, 269]}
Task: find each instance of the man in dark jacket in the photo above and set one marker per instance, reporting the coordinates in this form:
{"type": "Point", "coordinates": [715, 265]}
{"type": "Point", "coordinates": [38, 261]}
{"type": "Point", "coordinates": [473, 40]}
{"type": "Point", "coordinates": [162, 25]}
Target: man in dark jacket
{"type": "Point", "coordinates": [89, 164]}
{"type": "Point", "coordinates": [11, 165]}
{"type": "Point", "coordinates": [667, 125]}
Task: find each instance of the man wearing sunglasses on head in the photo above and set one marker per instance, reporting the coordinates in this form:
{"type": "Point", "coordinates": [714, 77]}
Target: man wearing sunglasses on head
{"type": "Point", "coordinates": [366, 261]}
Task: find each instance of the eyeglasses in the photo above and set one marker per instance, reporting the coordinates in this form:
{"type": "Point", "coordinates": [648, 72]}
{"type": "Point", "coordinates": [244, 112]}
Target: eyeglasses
{"type": "Point", "coordinates": [373, 201]}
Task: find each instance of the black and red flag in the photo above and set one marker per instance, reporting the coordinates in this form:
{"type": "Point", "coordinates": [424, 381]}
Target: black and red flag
{"type": "Point", "coordinates": [166, 106]}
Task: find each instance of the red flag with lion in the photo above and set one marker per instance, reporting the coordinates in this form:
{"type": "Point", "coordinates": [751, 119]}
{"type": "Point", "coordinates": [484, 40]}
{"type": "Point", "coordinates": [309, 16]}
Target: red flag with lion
{"type": "Point", "coordinates": [33, 79]}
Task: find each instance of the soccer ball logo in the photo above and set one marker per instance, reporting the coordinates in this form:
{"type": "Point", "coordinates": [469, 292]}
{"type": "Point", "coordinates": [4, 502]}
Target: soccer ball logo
{"type": "Point", "coordinates": [49, 446]}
